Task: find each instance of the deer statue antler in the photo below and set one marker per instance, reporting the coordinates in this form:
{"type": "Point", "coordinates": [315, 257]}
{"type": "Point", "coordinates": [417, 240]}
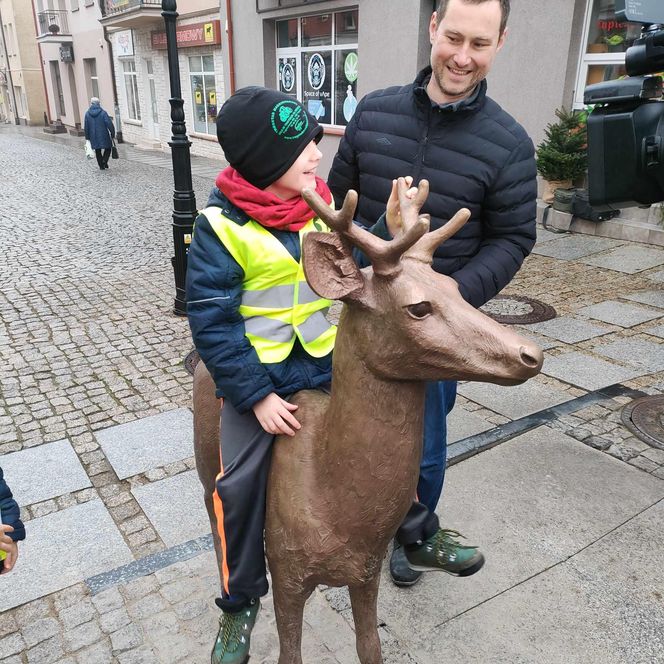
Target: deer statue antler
{"type": "Point", "coordinates": [423, 250]}
{"type": "Point", "coordinates": [384, 255]}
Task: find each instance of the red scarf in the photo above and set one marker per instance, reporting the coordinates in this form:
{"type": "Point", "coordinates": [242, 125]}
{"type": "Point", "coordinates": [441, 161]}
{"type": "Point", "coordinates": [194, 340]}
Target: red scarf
{"type": "Point", "coordinates": [266, 208]}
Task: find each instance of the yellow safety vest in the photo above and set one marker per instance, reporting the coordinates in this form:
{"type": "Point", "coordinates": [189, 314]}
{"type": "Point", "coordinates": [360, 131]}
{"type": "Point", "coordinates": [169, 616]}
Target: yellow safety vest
{"type": "Point", "coordinates": [278, 305]}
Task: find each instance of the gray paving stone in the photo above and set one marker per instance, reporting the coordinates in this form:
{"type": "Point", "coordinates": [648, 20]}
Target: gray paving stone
{"type": "Point", "coordinates": [462, 423]}
{"type": "Point", "coordinates": [138, 446]}
{"type": "Point", "coordinates": [646, 355]}
{"type": "Point", "coordinates": [176, 520]}
{"type": "Point", "coordinates": [587, 371]}
{"type": "Point", "coordinates": [630, 258]}
{"type": "Point", "coordinates": [570, 330]}
{"type": "Point", "coordinates": [530, 503]}
{"type": "Point", "coordinates": [655, 298]}
{"type": "Point", "coordinates": [657, 331]}
{"type": "Point", "coordinates": [543, 235]}
{"type": "Point", "coordinates": [61, 549]}
{"type": "Point", "coordinates": [657, 276]}
{"type": "Point", "coordinates": [43, 472]}
{"type": "Point", "coordinates": [614, 596]}
{"type": "Point", "coordinates": [619, 313]}
{"type": "Point", "coordinates": [516, 401]}
{"type": "Point", "coordinates": [575, 246]}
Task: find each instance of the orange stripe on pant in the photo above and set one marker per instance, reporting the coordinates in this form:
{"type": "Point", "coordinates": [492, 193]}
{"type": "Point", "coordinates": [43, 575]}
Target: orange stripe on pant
{"type": "Point", "coordinates": [219, 514]}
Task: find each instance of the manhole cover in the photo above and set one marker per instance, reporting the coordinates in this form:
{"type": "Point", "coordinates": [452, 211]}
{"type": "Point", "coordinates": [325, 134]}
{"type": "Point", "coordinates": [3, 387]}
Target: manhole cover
{"type": "Point", "coordinates": [191, 361]}
{"type": "Point", "coordinates": [518, 310]}
{"type": "Point", "coordinates": [644, 417]}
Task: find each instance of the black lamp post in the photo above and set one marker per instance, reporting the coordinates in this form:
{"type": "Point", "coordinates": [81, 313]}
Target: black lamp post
{"type": "Point", "coordinates": [184, 200]}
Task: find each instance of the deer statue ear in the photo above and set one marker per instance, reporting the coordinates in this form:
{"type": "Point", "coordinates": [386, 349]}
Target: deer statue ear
{"type": "Point", "coordinates": [330, 269]}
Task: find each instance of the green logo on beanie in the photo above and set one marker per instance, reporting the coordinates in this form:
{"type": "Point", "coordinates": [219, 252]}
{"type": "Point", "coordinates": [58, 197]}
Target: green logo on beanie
{"type": "Point", "coordinates": [289, 121]}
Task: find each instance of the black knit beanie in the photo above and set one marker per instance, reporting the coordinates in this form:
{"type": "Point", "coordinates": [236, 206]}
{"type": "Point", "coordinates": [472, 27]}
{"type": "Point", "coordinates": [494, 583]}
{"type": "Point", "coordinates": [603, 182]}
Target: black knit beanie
{"type": "Point", "coordinates": [263, 132]}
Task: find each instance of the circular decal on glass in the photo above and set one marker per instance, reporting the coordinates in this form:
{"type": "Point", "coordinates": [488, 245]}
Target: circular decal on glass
{"type": "Point", "coordinates": [289, 120]}
{"type": "Point", "coordinates": [350, 67]}
{"type": "Point", "coordinates": [316, 71]}
{"type": "Point", "coordinates": [287, 77]}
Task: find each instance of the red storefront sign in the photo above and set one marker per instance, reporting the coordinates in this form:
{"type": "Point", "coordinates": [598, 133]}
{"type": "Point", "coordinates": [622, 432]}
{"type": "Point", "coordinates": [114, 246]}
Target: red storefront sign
{"type": "Point", "coordinates": [194, 34]}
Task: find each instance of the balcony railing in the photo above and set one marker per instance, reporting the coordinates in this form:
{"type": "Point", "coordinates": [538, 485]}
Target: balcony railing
{"type": "Point", "coordinates": [53, 22]}
{"type": "Point", "coordinates": [115, 7]}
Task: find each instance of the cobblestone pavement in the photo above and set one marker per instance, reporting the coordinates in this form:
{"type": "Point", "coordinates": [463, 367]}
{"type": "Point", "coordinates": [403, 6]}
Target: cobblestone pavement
{"type": "Point", "coordinates": [88, 341]}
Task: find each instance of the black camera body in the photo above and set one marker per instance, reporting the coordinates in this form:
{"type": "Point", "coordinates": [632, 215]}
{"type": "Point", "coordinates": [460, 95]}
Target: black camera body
{"type": "Point", "coordinates": [626, 127]}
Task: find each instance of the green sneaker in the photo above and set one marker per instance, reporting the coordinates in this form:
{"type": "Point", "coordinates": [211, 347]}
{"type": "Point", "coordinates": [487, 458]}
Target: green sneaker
{"type": "Point", "coordinates": [233, 639]}
{"type": "Point", "coordinates": [442, 551]}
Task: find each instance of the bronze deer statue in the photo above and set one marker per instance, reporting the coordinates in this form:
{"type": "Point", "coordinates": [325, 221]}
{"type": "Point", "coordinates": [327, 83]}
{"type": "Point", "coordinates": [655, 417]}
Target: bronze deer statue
{"type": "Point", "coordinates": [339, 489]}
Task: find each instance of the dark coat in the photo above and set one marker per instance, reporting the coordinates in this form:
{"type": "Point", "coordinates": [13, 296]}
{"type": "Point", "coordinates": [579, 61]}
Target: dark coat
{"type": "Point", "coordinates": [98, 128]}
{"type": "Point", "coordinates": [214, 295]}
{"type": "Point", "coordinates": [9, 511]}
{"type": "Point", "coordinates": [474, 155]}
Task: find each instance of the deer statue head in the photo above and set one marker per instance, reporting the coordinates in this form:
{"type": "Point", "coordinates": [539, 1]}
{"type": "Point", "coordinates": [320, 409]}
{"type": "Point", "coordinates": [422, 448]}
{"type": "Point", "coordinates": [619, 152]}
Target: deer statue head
{"type": "Point", "coordinates": [415, 325]}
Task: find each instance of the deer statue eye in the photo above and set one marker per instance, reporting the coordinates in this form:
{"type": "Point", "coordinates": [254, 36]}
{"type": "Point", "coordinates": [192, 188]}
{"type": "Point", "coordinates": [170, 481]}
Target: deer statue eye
{"type": "Point", "coordinates": [419, 310]}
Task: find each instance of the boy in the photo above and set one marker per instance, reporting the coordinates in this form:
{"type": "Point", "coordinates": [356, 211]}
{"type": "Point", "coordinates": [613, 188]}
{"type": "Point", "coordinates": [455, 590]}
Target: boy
{"type": "Point", "coordinates": [12, 529]}
{"type": "Point", "coordinates": [257, 325]}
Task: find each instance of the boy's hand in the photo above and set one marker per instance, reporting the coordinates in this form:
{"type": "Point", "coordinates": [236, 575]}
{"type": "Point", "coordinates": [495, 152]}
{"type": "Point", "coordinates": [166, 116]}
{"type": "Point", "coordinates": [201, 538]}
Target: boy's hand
{"type": "Point", "coordinates": [392, 213]}
{"type": "Point", "coordinates": [275, 416]}
{"type": "Point", "coordinates": [10, 547]}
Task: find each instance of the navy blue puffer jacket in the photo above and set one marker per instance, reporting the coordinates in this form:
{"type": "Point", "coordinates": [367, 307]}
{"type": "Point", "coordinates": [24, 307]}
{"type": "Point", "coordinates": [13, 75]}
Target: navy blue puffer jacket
{"type": "Point", "coordinates": [214, 295]}
{"type": "Point", "coordinates": [98, 128]}
{"type": "Point", "coordinates": [474, 155]}
{"type": "Point", "coordinates": [9, 511]}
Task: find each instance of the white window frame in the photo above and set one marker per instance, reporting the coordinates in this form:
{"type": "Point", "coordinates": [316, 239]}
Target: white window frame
{"type": "Point", "coordinates": [297, 51]}
{"type": "Point", "coordinates": [587, 60]}
{"type": "Point", "coordinates": [210, 127]}
{"type": "Point", "coordinates": [131, 85]}
{"type": "Point", "coordinates": [93, 78]}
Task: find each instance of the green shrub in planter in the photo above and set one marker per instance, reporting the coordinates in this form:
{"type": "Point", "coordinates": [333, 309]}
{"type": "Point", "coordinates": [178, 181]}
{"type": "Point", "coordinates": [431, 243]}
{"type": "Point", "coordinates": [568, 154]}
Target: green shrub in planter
{"type": "Point", "coordinates": [562, 155]}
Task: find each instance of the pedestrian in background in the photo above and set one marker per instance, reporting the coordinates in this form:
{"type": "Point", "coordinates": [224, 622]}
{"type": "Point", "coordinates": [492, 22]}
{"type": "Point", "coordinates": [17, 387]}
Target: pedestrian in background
{"type": "Point", "coordinates": [443, 127]}
{"type": "Point", "coordinates": [99, 130]}
{"type": "Point", "coordinates": [12, 529]}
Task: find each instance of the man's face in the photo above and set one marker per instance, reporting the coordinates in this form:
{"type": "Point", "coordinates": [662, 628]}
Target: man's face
{"type": "Point", "coordinates": [464, 44]}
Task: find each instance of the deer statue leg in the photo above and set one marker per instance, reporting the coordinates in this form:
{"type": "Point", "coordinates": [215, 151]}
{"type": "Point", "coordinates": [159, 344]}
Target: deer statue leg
{"type": "Point", "coordinates": [206, 444]}
{"type": "Point", "coordinates": [364, 600]}
{"type": "Point", "coordinates": [289, 604]}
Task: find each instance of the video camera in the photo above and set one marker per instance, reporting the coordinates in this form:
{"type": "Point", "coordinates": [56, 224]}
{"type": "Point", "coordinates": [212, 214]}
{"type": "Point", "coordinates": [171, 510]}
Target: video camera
{"type": "Point", "coordinates": [626, 126]}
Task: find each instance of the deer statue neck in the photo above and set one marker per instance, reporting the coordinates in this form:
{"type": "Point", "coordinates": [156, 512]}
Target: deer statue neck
{"type": "Point", "coordinates": [373, 424]}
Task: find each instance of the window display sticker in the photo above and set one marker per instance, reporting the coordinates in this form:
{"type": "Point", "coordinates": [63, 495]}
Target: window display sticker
{"type": "Point", "coordinates": [317, 84]}
{"type": "Point", "coordinates": [287, 76]}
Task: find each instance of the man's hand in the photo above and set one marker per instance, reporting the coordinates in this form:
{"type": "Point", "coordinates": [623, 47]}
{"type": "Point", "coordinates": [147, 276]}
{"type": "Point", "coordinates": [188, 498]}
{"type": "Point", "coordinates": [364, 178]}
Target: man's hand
{"type": "Point", "coordinates": [10, 547]}
{"type": "Point", "coordinates": [275, 416]}
{"type": "Point", "coordinates": [393, 213]}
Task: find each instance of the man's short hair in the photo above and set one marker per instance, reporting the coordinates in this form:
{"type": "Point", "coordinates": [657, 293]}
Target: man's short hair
{"type": "Point", "coordinates": [504, 9]}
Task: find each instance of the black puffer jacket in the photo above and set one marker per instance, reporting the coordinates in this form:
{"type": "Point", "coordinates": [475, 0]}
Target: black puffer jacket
{"type": "Point", "coordinates": [474, 155]}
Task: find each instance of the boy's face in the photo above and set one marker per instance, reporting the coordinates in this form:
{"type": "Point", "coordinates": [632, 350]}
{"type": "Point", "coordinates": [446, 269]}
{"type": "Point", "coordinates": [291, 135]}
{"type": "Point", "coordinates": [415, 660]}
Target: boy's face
{"type": "Point", "coordinates": [300, 175]}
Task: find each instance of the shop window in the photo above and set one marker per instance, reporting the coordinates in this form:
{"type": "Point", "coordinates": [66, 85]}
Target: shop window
{"type": "Point", "coordinates": [605, 40]}
{"type": "Point", "coordinates": [203, 93]}
{"type": "Point", "coordinates": [317, 63]}
{"type": "Point", "coordinates": [131, 89]}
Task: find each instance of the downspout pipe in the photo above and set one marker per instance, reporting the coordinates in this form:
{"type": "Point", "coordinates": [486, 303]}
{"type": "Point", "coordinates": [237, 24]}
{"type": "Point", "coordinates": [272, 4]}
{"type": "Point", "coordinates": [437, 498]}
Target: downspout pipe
{"type": "Point", "coordinates": [116, 105]}
{"type": "Point", "coordinates": [47, 114]}
{"type": "Point", "coordinates": [229, 33]}
{"type": "Point", "coordinates": [9, 71]}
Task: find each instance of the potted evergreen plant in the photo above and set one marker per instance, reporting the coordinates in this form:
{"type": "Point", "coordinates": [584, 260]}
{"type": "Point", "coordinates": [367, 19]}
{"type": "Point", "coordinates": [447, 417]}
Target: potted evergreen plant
{"type": "Point", "coordinates": [562, 155]}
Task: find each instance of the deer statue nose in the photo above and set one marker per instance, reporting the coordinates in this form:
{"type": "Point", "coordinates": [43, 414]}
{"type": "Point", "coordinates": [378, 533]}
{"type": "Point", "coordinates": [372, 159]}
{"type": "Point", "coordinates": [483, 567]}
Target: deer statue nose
{"type": "Point", "coordinates": [531, 356]}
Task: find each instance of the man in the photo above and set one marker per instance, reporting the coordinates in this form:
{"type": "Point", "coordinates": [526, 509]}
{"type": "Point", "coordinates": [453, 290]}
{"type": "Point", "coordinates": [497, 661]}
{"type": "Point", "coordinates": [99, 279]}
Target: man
{"type": "Point", "coordinates": [445, 129]}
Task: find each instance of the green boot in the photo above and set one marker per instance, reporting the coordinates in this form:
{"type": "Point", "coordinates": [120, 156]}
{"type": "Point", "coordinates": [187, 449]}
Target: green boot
{"type": "Point", "coordinates": [442, 551]}
{"type": "Point", "coordinates": [233, 638]}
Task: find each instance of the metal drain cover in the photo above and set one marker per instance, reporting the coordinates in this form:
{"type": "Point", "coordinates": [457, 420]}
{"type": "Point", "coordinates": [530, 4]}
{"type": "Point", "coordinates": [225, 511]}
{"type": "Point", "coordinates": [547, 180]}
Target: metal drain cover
{"type": "Point", "coordinates": [644, 417]}
{"type": "Point", "coordinates": [191, 361]}
{"type": "Point", "coordinates": [518, 310]}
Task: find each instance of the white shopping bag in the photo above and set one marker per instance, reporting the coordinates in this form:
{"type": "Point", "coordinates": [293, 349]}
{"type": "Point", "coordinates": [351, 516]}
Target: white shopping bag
{"type": "Point", "coordinates": [89, 152]}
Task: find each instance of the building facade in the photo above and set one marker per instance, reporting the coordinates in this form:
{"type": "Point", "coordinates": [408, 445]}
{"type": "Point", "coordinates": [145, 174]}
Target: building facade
{"type": "Point", "coordinates": [329, 53]}
{"type": "Point", "coordinates": [137, 31]}
{"type": "Point", "coordinates": [22, 97]}
{"type": "Point", "coordinates": [75, 59]}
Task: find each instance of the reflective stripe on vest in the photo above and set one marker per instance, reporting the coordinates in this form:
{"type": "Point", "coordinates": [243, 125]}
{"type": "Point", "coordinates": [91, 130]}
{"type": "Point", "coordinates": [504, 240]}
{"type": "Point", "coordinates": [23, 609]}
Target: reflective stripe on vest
{"type": "Point", "coordinates": [278, 305]}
